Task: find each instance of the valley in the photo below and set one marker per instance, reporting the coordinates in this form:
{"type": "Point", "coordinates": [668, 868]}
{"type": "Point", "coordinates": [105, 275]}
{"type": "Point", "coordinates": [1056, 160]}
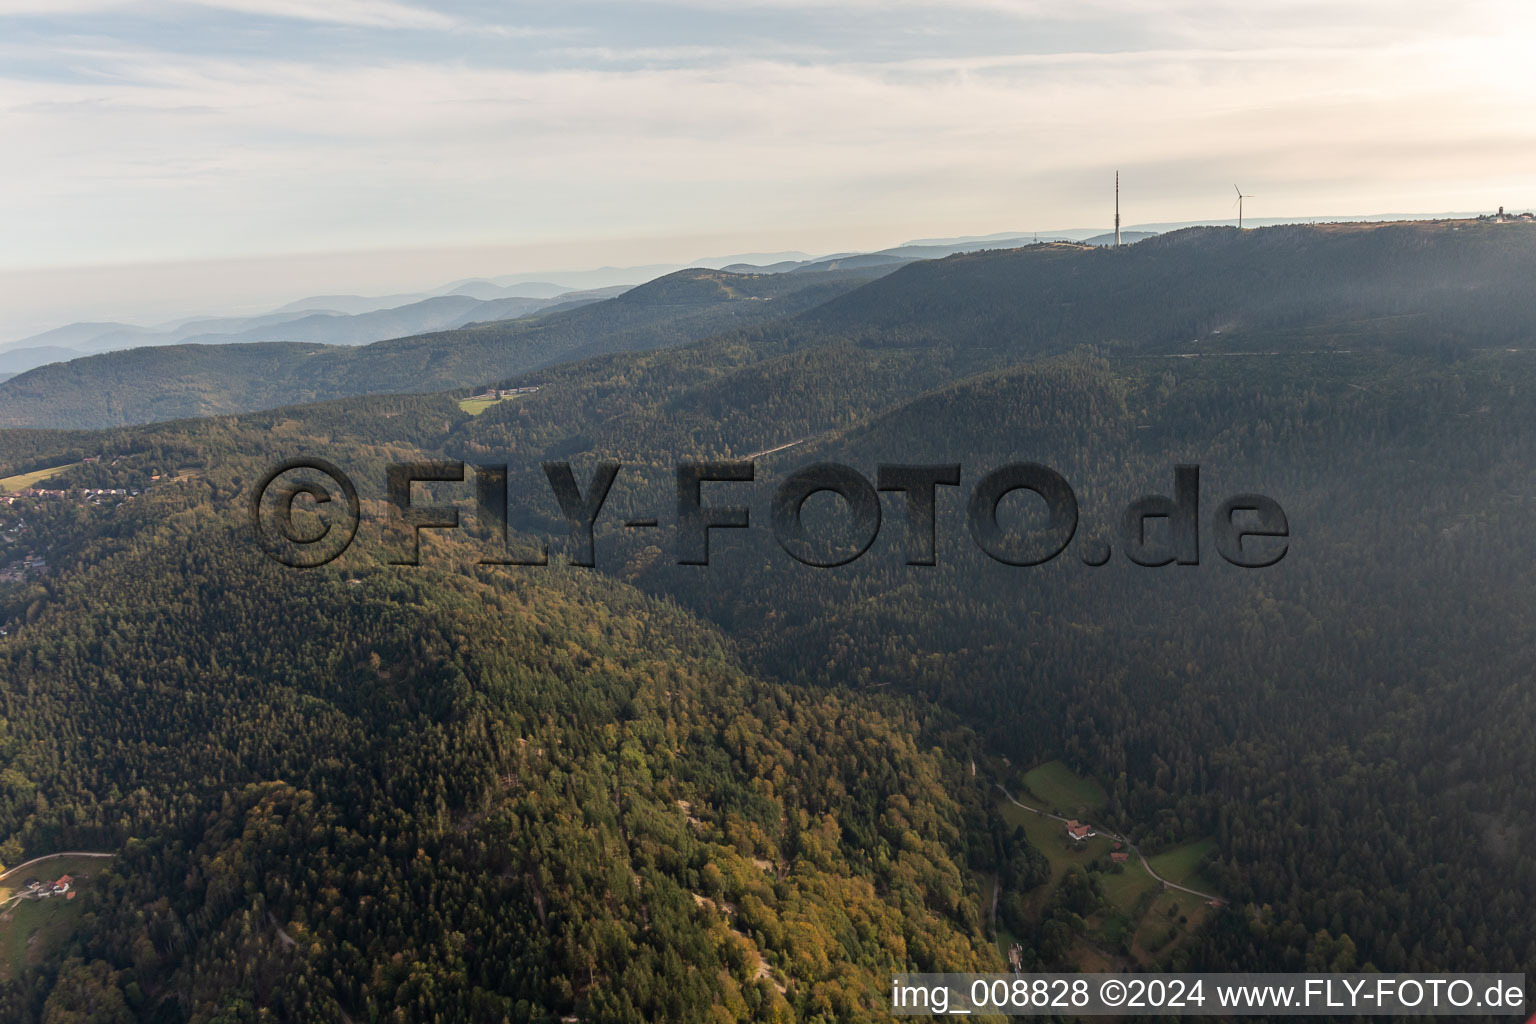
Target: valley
{"type": "Point", "coordinates": [1137, 915]}
{"type": "Point", "coordinates": [510, 791]}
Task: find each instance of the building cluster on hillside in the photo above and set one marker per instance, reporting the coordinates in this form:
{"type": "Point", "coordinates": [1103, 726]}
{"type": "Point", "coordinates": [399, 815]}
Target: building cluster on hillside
{"type": "Point", "coordinates": [42, 890]}
{"type": "Point", "coordinates": [1504, 218]}
{"type": "Point", "coordinates": [91, 494]}
{"type": "Point", "coordinates": [17, 572]}
{"type": "Point", "coordinates": [491, 394]}
{"type": "Point", "coordinates": [1079, 831]}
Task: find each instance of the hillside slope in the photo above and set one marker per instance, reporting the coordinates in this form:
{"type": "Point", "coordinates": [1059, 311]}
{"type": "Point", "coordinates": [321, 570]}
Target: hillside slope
{"type": "Point", "coordinates": [167, 382]}
{"type": "Point", "coordinates": [456, 792]}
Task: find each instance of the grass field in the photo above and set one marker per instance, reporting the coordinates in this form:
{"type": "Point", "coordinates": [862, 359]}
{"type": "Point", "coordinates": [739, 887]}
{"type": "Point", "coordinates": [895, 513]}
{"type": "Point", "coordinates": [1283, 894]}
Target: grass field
{"type": "Point", "coordinates": [476, 406]}
{"type": "Point", "coordinates": [29, 929]}
{"type": "Point", "coordinates": [25, 480]}
{"type": "Point", "coordinates": [33, 930]}
{"type": "Point", "coordinates": [1159, 932]}
{"type": "Point", "coordinates": [1054, 784]}
{"type": "Point", "coordinates": [1182, 863]}
{"type": "Point", "coordinates": [1124, 889]}
{"type": "Point", "coordinates": [1050, 838]}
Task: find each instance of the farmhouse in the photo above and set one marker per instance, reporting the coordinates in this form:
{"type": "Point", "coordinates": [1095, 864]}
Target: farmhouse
{"type": "Point", "coordinates": [1078, 831]}
{"type": "Point", "coordinates": [492, 394]}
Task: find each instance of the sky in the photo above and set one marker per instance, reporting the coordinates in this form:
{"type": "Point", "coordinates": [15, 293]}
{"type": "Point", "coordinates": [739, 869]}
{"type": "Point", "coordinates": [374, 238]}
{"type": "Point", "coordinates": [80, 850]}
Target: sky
{"type": "Point", "coordinates": [215, 155]}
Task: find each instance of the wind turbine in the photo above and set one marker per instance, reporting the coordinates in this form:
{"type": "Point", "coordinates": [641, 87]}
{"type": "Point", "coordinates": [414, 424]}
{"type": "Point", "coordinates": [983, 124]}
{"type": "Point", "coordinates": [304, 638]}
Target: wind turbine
{"type": "Point", "coordinates": [1240, 198]}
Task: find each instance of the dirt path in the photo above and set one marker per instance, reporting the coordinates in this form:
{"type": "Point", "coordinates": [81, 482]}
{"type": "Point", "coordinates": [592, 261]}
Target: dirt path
{"type": "Point", "coordinates": [1105, 832]}
{"type": "Point", "coordinates": [282, 935]}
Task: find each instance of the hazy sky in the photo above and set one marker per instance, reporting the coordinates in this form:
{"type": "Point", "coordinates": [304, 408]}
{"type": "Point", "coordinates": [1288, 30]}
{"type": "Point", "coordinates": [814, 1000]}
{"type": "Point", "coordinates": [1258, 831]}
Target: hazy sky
{"type": "Point", "coordinates": [465, 137]}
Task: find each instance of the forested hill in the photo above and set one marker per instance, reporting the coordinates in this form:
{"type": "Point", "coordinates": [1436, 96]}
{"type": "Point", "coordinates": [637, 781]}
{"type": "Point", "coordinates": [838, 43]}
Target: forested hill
{"type": "Point", "coordinates": [1437, 284]}
{"type": "Point", "coordinates": [167, 382]}
{"type": "Point", "coordinates": [451, 794]}
{"type": "Point", "coordinates": [1466, 280]}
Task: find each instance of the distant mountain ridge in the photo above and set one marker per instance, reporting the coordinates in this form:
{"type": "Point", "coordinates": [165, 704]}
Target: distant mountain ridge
{"type": "Point", "coordinates": [22, 359]}
{"type": "Point", "coordinates": [358, 320]}
{"type": "Point", "coordinates": [92, 337]}
{"type": "Point", "coordinates": [325, 318]}
{"type": "Point", "coordinates": [1175, 292]}
{"type": "Point", "coordinates": [326, 327]}
{"type": "Point", "coordinates": [475, 288]}
{"type": "Point", "coordinates": [154, 383]}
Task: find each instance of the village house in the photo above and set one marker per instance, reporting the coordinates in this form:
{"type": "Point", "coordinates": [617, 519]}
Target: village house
{"type": "Point", "coordinates": [1079, 831]}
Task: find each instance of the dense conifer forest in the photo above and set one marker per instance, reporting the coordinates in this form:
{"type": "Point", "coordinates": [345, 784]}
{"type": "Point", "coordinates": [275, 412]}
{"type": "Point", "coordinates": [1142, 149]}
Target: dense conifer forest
{"type": "Point", "coordinates": [752, 790]}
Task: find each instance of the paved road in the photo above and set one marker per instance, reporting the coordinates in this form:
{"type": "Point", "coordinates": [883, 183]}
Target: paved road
{"type": "Point", "coordinates": [1128, 844]}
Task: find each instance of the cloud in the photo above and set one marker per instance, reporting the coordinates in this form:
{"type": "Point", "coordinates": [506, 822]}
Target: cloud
{"type": "Point", "coordinates": [136, 153]}
{"type": "Point", "coordinates": [373, 13]}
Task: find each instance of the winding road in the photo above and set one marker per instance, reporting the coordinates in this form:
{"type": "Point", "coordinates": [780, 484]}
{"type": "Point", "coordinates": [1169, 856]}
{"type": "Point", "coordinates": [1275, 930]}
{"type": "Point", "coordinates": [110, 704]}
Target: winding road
{"type": "Point", "coordinates": [1128, 845]}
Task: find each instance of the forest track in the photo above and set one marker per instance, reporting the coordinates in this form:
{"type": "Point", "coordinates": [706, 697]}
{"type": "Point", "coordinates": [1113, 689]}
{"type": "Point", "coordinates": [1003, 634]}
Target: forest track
{"type": "Point", "coordinates": [780, 448]}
